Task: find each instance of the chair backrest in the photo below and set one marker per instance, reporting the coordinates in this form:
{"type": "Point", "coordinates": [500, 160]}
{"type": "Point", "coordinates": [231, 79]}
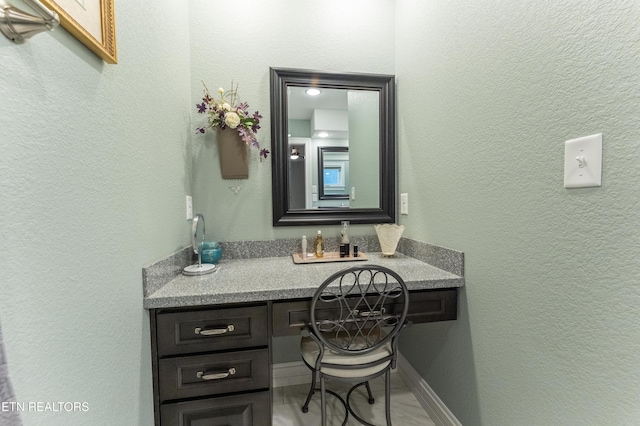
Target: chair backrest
{"type": "Point", "coordinates": [359, 309]}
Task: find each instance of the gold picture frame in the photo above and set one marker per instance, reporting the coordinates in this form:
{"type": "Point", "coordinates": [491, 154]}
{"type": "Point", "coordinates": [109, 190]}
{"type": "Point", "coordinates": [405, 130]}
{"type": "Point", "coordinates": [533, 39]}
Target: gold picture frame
{"type": "Point", "coordinates": [90, 21]}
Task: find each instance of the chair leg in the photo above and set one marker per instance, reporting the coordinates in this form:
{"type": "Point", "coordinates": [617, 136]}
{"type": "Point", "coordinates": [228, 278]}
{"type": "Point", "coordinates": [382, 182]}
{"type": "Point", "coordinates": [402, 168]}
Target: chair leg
{"type": "Point", "coordinates": [323, 402]}
{"type": "Point", "coordinates": [305, 407]}
{"type": "Point", "coordinates": [348, 405]}
{"type": "Point", "coordinates": [371, 399]}
{"type": "Point", "coordinates": [387, 396]}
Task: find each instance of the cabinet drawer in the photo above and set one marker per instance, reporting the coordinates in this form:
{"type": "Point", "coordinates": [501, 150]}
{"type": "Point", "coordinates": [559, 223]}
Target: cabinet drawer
{"type": "Point", "coordinates": [211, 330]}
{"type": "Point", "coordinates": [243, 410]}
{"type": "Point", "coordinates": [424, 306]}
{"type": "Point", "coordinates": [202, 375]}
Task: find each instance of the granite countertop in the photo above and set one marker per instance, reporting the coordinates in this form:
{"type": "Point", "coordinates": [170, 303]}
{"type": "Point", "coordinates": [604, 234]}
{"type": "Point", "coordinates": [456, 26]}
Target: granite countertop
{"type": "Point", "coordinates": [278, 278]}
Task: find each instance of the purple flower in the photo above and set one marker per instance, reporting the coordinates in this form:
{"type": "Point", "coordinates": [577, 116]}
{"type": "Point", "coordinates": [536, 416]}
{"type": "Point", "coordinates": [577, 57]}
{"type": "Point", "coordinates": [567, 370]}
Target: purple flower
{"type": "Point", "coordinates": [217, 111]}
{"type": "Point", "coordinates": [246, 137]}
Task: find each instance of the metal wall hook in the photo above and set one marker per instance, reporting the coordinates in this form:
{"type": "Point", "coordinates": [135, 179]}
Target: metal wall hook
{"type": "Point", "coordinates": [19, 25]}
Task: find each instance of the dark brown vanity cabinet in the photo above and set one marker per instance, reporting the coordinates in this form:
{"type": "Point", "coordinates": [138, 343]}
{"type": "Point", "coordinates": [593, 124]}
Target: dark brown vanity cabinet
{"type": "Point", "coordinates": [211, 365]}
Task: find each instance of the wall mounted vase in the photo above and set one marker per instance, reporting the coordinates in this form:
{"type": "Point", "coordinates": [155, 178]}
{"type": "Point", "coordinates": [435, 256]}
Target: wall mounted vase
{"type": "Point", "coordinates": [232, 152]}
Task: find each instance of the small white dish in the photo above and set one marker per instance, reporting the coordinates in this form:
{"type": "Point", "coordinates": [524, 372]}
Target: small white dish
{"type": "Point", "coordinates": [199, 269]}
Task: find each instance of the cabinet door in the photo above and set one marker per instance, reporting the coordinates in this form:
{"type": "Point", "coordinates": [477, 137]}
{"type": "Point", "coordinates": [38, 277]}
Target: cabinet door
{"type": "Point", "coordinates": [243, 410]}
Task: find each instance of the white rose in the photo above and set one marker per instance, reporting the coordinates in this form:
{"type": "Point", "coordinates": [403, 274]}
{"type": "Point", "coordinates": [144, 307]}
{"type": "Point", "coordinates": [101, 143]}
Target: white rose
{"type": "Point", "coordinates": [232, 119]}
{"type": "Point", "coordinates": [225, 106]}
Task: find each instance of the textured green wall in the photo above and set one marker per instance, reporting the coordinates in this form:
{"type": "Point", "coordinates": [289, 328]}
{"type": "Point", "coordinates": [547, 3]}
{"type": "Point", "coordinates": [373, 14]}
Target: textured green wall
{"type": "Point", "coordinates": [93, 161]}
{"type": "Point", "coordinates": [283, 34]}
{"type": "Point", "coordinates": [488, 92]}
{"type": "Point", "coordinates": [96, 159]}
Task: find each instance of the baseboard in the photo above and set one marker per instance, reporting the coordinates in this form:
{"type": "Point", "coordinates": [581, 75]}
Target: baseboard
{"type": "Point", "coordinates": [431, 403]}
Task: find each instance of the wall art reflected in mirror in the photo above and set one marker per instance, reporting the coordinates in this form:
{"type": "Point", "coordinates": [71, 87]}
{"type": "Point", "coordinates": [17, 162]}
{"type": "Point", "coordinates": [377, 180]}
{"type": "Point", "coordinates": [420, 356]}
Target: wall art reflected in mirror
{"type": "Point", "coordinates": [333, 147]}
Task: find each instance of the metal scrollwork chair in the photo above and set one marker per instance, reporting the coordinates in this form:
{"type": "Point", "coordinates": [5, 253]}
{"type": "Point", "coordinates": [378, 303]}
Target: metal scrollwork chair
{"type": "Point", "coordinates": [356, 316]}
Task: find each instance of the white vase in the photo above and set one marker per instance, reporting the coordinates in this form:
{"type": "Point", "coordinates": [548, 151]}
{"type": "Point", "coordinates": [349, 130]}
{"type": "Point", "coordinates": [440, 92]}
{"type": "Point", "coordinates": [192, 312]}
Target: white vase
{"type": "Point", "coordinates": [389, 235]}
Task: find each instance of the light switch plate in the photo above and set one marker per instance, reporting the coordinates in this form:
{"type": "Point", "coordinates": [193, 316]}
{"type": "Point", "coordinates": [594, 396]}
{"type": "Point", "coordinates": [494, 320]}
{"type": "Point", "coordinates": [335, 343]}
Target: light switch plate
{"type": "Point", "coordinates": [583, 162]}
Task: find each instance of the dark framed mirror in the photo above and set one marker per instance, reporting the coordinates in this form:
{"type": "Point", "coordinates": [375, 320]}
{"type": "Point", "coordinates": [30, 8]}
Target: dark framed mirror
{"type": "Point", "coordinates": [352, 114]}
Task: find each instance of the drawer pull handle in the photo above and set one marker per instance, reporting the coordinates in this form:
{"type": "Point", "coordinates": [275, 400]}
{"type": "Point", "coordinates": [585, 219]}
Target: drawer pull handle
{"type": "Point", "coordinates": [369, 313]}
{"type": "Point", "coordinates": [215, 376]}
{"type": "Point", "coordinates": [213, 331]}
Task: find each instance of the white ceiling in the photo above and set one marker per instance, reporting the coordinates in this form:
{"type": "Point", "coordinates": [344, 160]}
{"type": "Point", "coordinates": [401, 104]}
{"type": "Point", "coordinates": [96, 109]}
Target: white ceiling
{"type": "Point", "coordinates": [302, 105]}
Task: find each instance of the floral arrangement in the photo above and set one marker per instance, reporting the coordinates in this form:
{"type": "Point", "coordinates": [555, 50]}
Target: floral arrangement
{"type": "Point", "coordinates": [228, 112]}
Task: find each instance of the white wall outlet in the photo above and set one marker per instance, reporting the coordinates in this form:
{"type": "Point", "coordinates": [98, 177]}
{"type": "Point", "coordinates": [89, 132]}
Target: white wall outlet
{"type": "Point", "coordinates": [583, 162]}
{"type": "Point", "coordinates": [189, 208]}
{"type": "Point", "coordinates": [404, 203]}
{"type": "Point", "coordinates": [353, 193]}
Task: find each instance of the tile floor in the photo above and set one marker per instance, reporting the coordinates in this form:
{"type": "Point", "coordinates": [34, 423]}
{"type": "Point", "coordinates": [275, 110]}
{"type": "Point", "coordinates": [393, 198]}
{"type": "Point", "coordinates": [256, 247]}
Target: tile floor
{"type": "Point", "coordinates": [405, 409]}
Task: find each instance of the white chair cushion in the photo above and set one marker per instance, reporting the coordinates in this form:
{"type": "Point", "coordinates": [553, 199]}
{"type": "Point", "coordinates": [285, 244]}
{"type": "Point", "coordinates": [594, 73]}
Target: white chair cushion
{"type": "Point", "coordinates": [310, 352]}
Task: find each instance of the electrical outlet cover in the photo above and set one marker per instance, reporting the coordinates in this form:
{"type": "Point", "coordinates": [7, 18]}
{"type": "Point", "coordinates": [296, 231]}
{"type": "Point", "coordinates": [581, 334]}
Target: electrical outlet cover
{"type": "Point", "coordinates": [404, 203]}
{"type": "Point", "coordinates": [189, 208]}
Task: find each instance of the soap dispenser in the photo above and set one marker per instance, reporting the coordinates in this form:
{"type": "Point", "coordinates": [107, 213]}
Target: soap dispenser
{"type": "Point", "coordinates": [344, 239]}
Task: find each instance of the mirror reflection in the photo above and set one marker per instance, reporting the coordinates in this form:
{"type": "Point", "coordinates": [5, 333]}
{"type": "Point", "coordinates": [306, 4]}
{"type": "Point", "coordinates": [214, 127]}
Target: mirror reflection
{"type": "Point", "coordinates": [333, 176]}
{"type": "Point", "coordinates": [333, 145]}
{"type": "Point", "coordinates": [333, 134]}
